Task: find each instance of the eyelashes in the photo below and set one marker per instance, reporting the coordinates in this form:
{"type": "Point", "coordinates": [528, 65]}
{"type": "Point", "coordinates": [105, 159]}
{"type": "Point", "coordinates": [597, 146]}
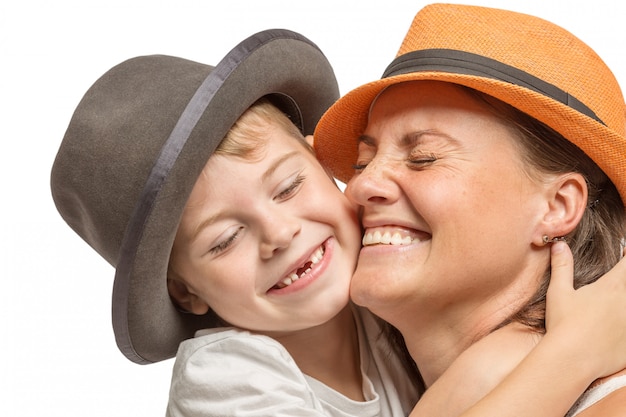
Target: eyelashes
{"type": "Point", "coordinates": [222, 246]}
{"type": "Point", "coordinates": [291, 188]}
{"type": "Point", "coordinates": [422, 161]}
{"type": "Point", "coordinates": [414, 163]}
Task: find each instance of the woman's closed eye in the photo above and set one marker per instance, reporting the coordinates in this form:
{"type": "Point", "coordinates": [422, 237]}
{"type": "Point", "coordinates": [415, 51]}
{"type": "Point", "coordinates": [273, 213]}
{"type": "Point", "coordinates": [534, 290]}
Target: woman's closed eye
{"type": "Point", "coordinates": [363, 160]}
{"type": "Point", "coordinates": [419, 161]}
{"type": "Point", "coordinates": [415, 162]}
{"type": "Point", "coordinates": [359, 166]}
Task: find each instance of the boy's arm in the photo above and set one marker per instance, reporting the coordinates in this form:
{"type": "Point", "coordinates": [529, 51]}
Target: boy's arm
{"type": "Point", "coordinates": [476, 372]}
{"type": "Point", "coordinates": [586, 339]}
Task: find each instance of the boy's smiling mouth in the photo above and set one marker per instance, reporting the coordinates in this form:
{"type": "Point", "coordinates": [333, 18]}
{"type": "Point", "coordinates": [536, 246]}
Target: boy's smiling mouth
{"type": "Point", "coordinates": [315, 257]}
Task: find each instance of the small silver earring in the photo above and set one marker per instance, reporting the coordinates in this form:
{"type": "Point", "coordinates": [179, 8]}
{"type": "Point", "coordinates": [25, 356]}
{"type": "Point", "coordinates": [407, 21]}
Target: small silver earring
{"type": "Point", "coordinates": [547, 240]}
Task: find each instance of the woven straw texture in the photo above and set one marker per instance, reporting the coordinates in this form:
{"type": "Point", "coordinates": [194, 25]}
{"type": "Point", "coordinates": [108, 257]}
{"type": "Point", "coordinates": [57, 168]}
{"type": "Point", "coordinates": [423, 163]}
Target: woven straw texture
{"type": "Point", "coordinates": [525, 42]}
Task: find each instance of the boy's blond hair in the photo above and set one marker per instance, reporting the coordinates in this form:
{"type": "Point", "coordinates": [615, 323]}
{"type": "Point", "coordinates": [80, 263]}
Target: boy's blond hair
{"type": "Point", "coordinates": [249, 132]}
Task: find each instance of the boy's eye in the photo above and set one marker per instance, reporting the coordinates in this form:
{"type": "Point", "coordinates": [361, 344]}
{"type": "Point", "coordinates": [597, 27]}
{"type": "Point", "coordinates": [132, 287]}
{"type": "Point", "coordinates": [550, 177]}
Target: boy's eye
{"type": "Point", "coordinates": [291, 188]}
{"type": "Point", "coordinates": [225, 244]}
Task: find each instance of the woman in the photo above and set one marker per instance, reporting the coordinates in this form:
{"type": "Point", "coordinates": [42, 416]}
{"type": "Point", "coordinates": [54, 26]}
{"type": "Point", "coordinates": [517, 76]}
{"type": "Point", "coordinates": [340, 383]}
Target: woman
{"type": "Point", "coordinates": [479, 148]}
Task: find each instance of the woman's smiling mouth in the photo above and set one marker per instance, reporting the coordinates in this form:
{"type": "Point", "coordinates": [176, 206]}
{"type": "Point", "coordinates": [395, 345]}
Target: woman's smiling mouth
{"type": "Point", "coordinates": [390, 236]}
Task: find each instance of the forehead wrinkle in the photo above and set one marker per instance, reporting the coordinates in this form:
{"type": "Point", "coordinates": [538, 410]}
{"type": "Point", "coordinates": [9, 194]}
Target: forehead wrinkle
{"type": "Point", "coordinates": [417, 136]}
{"type": "Point", "coordinates": [409, 139]}
{"type": "Point", "coordinates": [414, 138]}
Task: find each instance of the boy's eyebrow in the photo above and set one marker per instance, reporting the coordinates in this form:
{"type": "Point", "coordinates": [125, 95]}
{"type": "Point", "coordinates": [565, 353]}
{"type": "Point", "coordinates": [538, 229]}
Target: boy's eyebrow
{"type": "Point", "coordinates": [206, 222]}
{"type": "Point", "coordinates": [277, 163]}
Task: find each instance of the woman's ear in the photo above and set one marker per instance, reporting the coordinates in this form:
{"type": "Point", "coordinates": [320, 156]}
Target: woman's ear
{"type": "Point", "coordinates": [184, 299]}
{"type": "Point", "coordinates": [566, 205]}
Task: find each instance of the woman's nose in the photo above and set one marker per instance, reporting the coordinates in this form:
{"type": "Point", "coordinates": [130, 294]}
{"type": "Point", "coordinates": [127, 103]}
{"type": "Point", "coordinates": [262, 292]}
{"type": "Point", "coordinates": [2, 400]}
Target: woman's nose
{"type": "Point", "coordinates": [278, 231]}
{"type": "Point", "coordinates": [374, 184]}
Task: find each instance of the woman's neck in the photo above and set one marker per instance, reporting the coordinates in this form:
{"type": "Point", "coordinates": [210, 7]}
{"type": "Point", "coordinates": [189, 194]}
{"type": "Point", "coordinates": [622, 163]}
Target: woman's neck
{"type": "Point", "coordinates": [433, 350]}
{"type": "Point", "coordinates": [486, 363]}
{"type": "Point", "coordinates": [330, 354]}
{"type": "Point", "coordinates": [436, 338]}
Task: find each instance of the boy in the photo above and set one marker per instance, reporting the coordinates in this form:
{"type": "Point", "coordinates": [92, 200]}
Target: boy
{"type": "Point", "coordinates": [125, 180]}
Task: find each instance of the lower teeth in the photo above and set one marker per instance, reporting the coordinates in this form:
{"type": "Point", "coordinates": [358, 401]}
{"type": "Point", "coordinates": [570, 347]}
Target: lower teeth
{"type": "Point", "coordinates": [299, 274]}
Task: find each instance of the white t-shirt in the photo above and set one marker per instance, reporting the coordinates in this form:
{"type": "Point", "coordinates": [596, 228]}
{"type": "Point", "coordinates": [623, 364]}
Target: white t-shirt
{"type": "Point", "coordinates": [595, 394]}
{"type": "Point", "coordinates": [230, 372]}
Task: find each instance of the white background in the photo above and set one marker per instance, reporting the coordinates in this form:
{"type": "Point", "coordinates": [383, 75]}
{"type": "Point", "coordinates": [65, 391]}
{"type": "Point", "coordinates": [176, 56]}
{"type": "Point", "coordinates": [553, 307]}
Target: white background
{"type": "Point", "coordinates": [57, 351]}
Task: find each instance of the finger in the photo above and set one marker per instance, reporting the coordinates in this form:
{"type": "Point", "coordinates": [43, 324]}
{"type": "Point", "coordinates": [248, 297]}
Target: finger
{"type": "Point", "coordinates": [561, 286]}
{"type": "Point", "coordinates": [617, 274]}
{"type": "Point", "coordinates": [562, 264]}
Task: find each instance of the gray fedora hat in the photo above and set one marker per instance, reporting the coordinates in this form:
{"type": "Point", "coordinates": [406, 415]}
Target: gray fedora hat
{"type": "Point", "coordinates": [135, 146]}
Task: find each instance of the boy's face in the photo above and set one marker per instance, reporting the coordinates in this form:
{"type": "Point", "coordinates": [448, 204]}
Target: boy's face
{"type": "Point", "coordinates": [271, 244]}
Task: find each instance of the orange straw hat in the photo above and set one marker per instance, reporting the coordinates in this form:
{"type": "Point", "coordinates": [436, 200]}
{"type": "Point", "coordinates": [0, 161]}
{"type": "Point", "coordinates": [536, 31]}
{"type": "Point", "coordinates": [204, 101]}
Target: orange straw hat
{"type": "Point", "coordinates": [527, 62]}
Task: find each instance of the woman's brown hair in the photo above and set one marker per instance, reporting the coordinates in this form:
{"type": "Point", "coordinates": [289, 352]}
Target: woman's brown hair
{"type": "Point", "coordinates": [598, 240]}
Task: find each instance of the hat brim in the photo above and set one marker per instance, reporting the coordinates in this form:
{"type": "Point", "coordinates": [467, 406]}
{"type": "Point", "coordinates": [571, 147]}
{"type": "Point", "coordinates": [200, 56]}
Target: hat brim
{"type": "Point", "coordinates": [148, 328]}
{"type": "Point", "coordinates": [337, 133]}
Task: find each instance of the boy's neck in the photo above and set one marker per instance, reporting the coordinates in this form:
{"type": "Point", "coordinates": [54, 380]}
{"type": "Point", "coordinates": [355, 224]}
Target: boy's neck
{"type": "Point", "coordinates": [330, 354]}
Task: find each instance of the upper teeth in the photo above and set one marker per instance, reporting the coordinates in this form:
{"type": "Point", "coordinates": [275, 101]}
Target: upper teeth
{"type": "Point", "coordinates": [386, 238]}
{"type": "Point", "coordinates": [294, 276]}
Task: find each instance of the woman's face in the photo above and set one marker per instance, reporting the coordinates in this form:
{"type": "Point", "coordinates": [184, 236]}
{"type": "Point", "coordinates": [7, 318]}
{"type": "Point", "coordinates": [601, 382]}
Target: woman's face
{"type": "Point", "coordinates": [270, 244]}
{"type": "Point", "coordinates": [450, 216]}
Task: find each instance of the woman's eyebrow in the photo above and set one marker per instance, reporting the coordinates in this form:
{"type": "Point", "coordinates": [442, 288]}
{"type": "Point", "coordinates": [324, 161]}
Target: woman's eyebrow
{"type": "Point", "coordinates": [366, 140]}
{"type": "Point", "coordinates": [413, 138]}
{"type": "Point", "coordinates": [409, 139]}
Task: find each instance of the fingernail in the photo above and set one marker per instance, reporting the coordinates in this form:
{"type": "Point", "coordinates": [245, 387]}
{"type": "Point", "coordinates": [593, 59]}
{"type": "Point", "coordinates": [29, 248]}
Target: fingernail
{"type": "Point", "coordinates": [558, 246]}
